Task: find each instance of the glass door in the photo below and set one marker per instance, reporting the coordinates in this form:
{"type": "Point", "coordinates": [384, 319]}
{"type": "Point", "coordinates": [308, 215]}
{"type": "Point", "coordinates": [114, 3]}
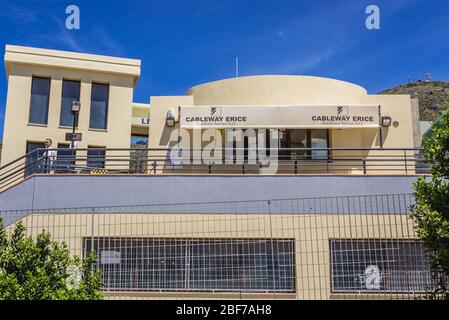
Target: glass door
{"type": "Point", "coordinates": [291, 139]}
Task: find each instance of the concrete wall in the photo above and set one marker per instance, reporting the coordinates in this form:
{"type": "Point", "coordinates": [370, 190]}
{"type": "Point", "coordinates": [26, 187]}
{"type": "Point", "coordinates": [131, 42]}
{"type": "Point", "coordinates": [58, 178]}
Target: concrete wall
{"type": "Point", "coordinates": [310, 234]}
{"type": "Point", "coordinates": [50, 192]}
{"type": "Point", "coordinates": [211, 214]}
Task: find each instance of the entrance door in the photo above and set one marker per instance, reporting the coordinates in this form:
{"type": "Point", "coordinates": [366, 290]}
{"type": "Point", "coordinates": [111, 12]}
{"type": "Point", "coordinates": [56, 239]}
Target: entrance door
{"type": "Point", "coordinates": [32, 161]}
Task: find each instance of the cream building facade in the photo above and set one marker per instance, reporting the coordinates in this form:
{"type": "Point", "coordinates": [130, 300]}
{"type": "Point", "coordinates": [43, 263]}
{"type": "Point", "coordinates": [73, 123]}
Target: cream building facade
{"type": "Point", "coordinates": [24, 64]}
{"type": "Point", "coordinates": [324, 236]}
{"type": "Point", "coordinates": [42, 83]}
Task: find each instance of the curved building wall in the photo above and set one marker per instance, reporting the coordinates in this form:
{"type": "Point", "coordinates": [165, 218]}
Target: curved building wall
{"type": "Point", "coordinates": [277, 90]}
{"type": "Point", "coordinates": [308, 91]}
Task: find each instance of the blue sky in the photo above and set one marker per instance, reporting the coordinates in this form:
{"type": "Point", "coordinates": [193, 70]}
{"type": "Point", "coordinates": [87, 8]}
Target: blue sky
{"type": "Point", "coordinates": [187, 42]}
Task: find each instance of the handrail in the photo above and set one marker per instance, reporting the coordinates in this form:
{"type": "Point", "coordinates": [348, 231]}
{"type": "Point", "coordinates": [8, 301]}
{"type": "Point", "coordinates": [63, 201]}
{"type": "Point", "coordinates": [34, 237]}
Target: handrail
{"type": "Point", "coordinates": [20, 158]}
{"type": "Point", "coordinates": [154, 160]}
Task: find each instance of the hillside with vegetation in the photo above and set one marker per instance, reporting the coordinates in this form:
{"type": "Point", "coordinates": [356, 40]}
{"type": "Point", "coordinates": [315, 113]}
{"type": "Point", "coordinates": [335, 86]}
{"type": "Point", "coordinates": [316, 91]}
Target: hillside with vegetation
{"type": "Point", "coordinates": [432, 96]}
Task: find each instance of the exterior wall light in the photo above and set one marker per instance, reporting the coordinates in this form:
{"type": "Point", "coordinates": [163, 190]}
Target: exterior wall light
{"type": "Point", "coordinates": [386, 121]}
{"type": "Point", "coordinates": [170, 120]}
{"type": "Point", "coordinates": [76, 107]}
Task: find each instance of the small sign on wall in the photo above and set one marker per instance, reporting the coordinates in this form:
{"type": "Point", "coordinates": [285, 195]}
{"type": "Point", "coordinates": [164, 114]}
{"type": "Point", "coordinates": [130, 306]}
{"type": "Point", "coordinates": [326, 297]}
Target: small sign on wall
{"type": "Point", "coordinates": [110, 257]}
{"type": "Point", "coordinates": [73, 136]}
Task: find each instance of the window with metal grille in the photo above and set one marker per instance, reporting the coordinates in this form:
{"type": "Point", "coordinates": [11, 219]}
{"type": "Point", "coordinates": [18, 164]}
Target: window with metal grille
{"type": "Point", "coordinates": [163, 264]}
{"type": "Point", "coordinates": [379, 265]}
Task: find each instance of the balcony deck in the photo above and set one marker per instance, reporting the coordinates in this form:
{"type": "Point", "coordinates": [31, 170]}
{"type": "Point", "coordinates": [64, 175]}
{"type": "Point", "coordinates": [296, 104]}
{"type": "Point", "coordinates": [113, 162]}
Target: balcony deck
{"type": "Point", "coordinates": [225, 162]}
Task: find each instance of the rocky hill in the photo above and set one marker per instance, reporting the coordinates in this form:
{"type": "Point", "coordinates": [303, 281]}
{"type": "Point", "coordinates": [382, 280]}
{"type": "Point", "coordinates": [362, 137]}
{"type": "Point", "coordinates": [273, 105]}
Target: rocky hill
{"type": "Point", "coordinates": [432, 95]}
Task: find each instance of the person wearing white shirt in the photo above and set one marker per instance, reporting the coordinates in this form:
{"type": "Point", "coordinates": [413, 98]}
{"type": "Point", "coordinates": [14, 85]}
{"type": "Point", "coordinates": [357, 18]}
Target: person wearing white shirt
{"type": "Point", "coordinates": [48, 157]}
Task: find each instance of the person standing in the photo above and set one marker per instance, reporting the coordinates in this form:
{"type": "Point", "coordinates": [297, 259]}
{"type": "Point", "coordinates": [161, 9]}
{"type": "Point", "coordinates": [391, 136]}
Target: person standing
{"type": "Point", "coordinates": [49, 157]}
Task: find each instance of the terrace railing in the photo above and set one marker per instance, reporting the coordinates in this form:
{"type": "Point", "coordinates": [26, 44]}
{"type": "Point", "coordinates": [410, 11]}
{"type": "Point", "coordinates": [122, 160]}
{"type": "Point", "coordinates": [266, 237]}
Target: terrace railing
{"type": "Point", "coordinates": [293, 161]}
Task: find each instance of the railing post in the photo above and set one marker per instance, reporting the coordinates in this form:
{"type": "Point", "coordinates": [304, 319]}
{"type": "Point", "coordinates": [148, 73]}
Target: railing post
{"type": "Point", "coordinates": [296, 166]}
{"type": "Point", "coordinates": [405, 161]}
{"type": "Point", "coordinates": [92, 237]}
{"type": "Point", "coordinates": [93, 229]}
{"type": "Point", "coordinates": [210, 168]}
{"type": "Point", "coordinates": [243, 168]}
{"type": "Point", "coordinates": [154, 166]}
{"type": "Point", "coordinates": [364, 166]}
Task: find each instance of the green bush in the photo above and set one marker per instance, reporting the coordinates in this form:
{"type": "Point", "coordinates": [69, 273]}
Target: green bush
{"type": "Point", "coordinates": [431, 211]}
{"type": "Point", "coordinates": [44, 269]}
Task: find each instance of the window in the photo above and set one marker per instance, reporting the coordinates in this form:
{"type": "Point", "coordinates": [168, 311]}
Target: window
{"type": "Point", "coordinates": [139, 154]}
{"type": "Point", "coordinates": [319, 140]}
{"type": "Point", "coordinates": [99, 106]}
{"type": "Point", "coordinates": [154, 264]}
{"type": "Point", "coordinates": [304, 139]}
{"type": "Point", "coordinates": [96, 157]}
{"type": "Point", "coordinates": [40, 96]}
{"type": "Point", "coordinates": [70, 93]}
{"type": "Point", "coordinates": [248, 155]}
{"type": "Point", "coordinates": [65, 159]}
{"type": "Point", "coordinates": [32, 163]}
{"type": "Point", "coordinates": [379, 265]}
{"type": "Point", "coordinates": [139, 141]}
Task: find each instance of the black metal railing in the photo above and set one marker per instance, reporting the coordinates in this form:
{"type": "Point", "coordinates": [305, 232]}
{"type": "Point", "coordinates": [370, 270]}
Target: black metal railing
{"type": "Point", "coordinates": [224, 161]}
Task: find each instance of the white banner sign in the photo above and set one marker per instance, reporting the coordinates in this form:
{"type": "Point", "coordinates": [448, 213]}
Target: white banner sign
{"type": "Point", "coordinates": [305, 117]}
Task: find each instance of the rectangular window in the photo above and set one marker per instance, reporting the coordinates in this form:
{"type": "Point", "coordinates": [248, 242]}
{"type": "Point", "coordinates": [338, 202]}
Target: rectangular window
{"type": "Point", "coordinates": [70, 93]}
{"type": "Point", "coordinates": [139, 141]}
{"type": "Point", "coordinates": [40, 97]}
{"type": "Point", "coordinates": [161, 264]}
{"type": "Point", "coordinates": [33, 164]}
{"type": "Point", "coordinates": [99, 106]}
{"type": "Point", "coordinates": [65, 161]}
{"type": "Point", "coordinates": [96, 157]}
{"type": "Point", "coordinates": [304, 139]}
{"type": "Point", "coordinates": [247, 155]}
{"type": "Point", "coordinates": [319, 140]}
{"type": "Point", "coordinates": [139, 154]}
{"type": "Point", "coordinates": [379, 266]}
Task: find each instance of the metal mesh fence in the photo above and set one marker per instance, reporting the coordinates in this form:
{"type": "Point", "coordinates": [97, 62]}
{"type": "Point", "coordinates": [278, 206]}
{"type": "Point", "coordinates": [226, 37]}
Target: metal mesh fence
{"type": "Point", "coordinates": [361, 247]}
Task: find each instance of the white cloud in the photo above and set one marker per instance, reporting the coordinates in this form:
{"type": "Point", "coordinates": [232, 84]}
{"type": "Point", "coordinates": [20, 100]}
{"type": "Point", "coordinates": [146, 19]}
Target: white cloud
{"type": "Point", "coordinates": [92, 40]}
{"type": "Point", "coordinates": [17, 13]}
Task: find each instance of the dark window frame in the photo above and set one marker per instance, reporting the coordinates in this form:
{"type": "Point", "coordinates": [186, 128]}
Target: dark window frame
{"type": "Point", "coordinates": [35, 168]}
{"type": "Point", "coordinates": [286, 154]}
{"type": "Point", "coordinates": [59, 162]}
{"type": "Point", "coordinates": [97, 160]}
{"type": "Point", "coordinates": [62, 97]}
{"type": "Point", "coordinates": [33, 78]}
{"type": "Point", "coordinates": [106, 122]}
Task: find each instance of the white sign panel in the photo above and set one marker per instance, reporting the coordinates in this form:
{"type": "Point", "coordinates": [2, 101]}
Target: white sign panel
{"type": "Point", "coordinates": [144, 122]}
{"type": "Point", "coordinates": [110, 257]}
{"type": "Point", "coordinates": [306, 117]}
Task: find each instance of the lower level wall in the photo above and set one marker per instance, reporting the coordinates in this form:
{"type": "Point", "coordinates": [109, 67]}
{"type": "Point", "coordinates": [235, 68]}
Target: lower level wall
{"type": "Point", "coordinates": [72, 191]}
{"type": "Point", "coordinates": [153, 248]}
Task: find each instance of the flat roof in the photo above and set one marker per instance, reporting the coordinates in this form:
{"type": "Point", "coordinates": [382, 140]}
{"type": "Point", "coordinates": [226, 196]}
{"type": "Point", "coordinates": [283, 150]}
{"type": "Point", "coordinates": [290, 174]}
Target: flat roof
{"type": "Point", "coordinates": [71, 60]}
